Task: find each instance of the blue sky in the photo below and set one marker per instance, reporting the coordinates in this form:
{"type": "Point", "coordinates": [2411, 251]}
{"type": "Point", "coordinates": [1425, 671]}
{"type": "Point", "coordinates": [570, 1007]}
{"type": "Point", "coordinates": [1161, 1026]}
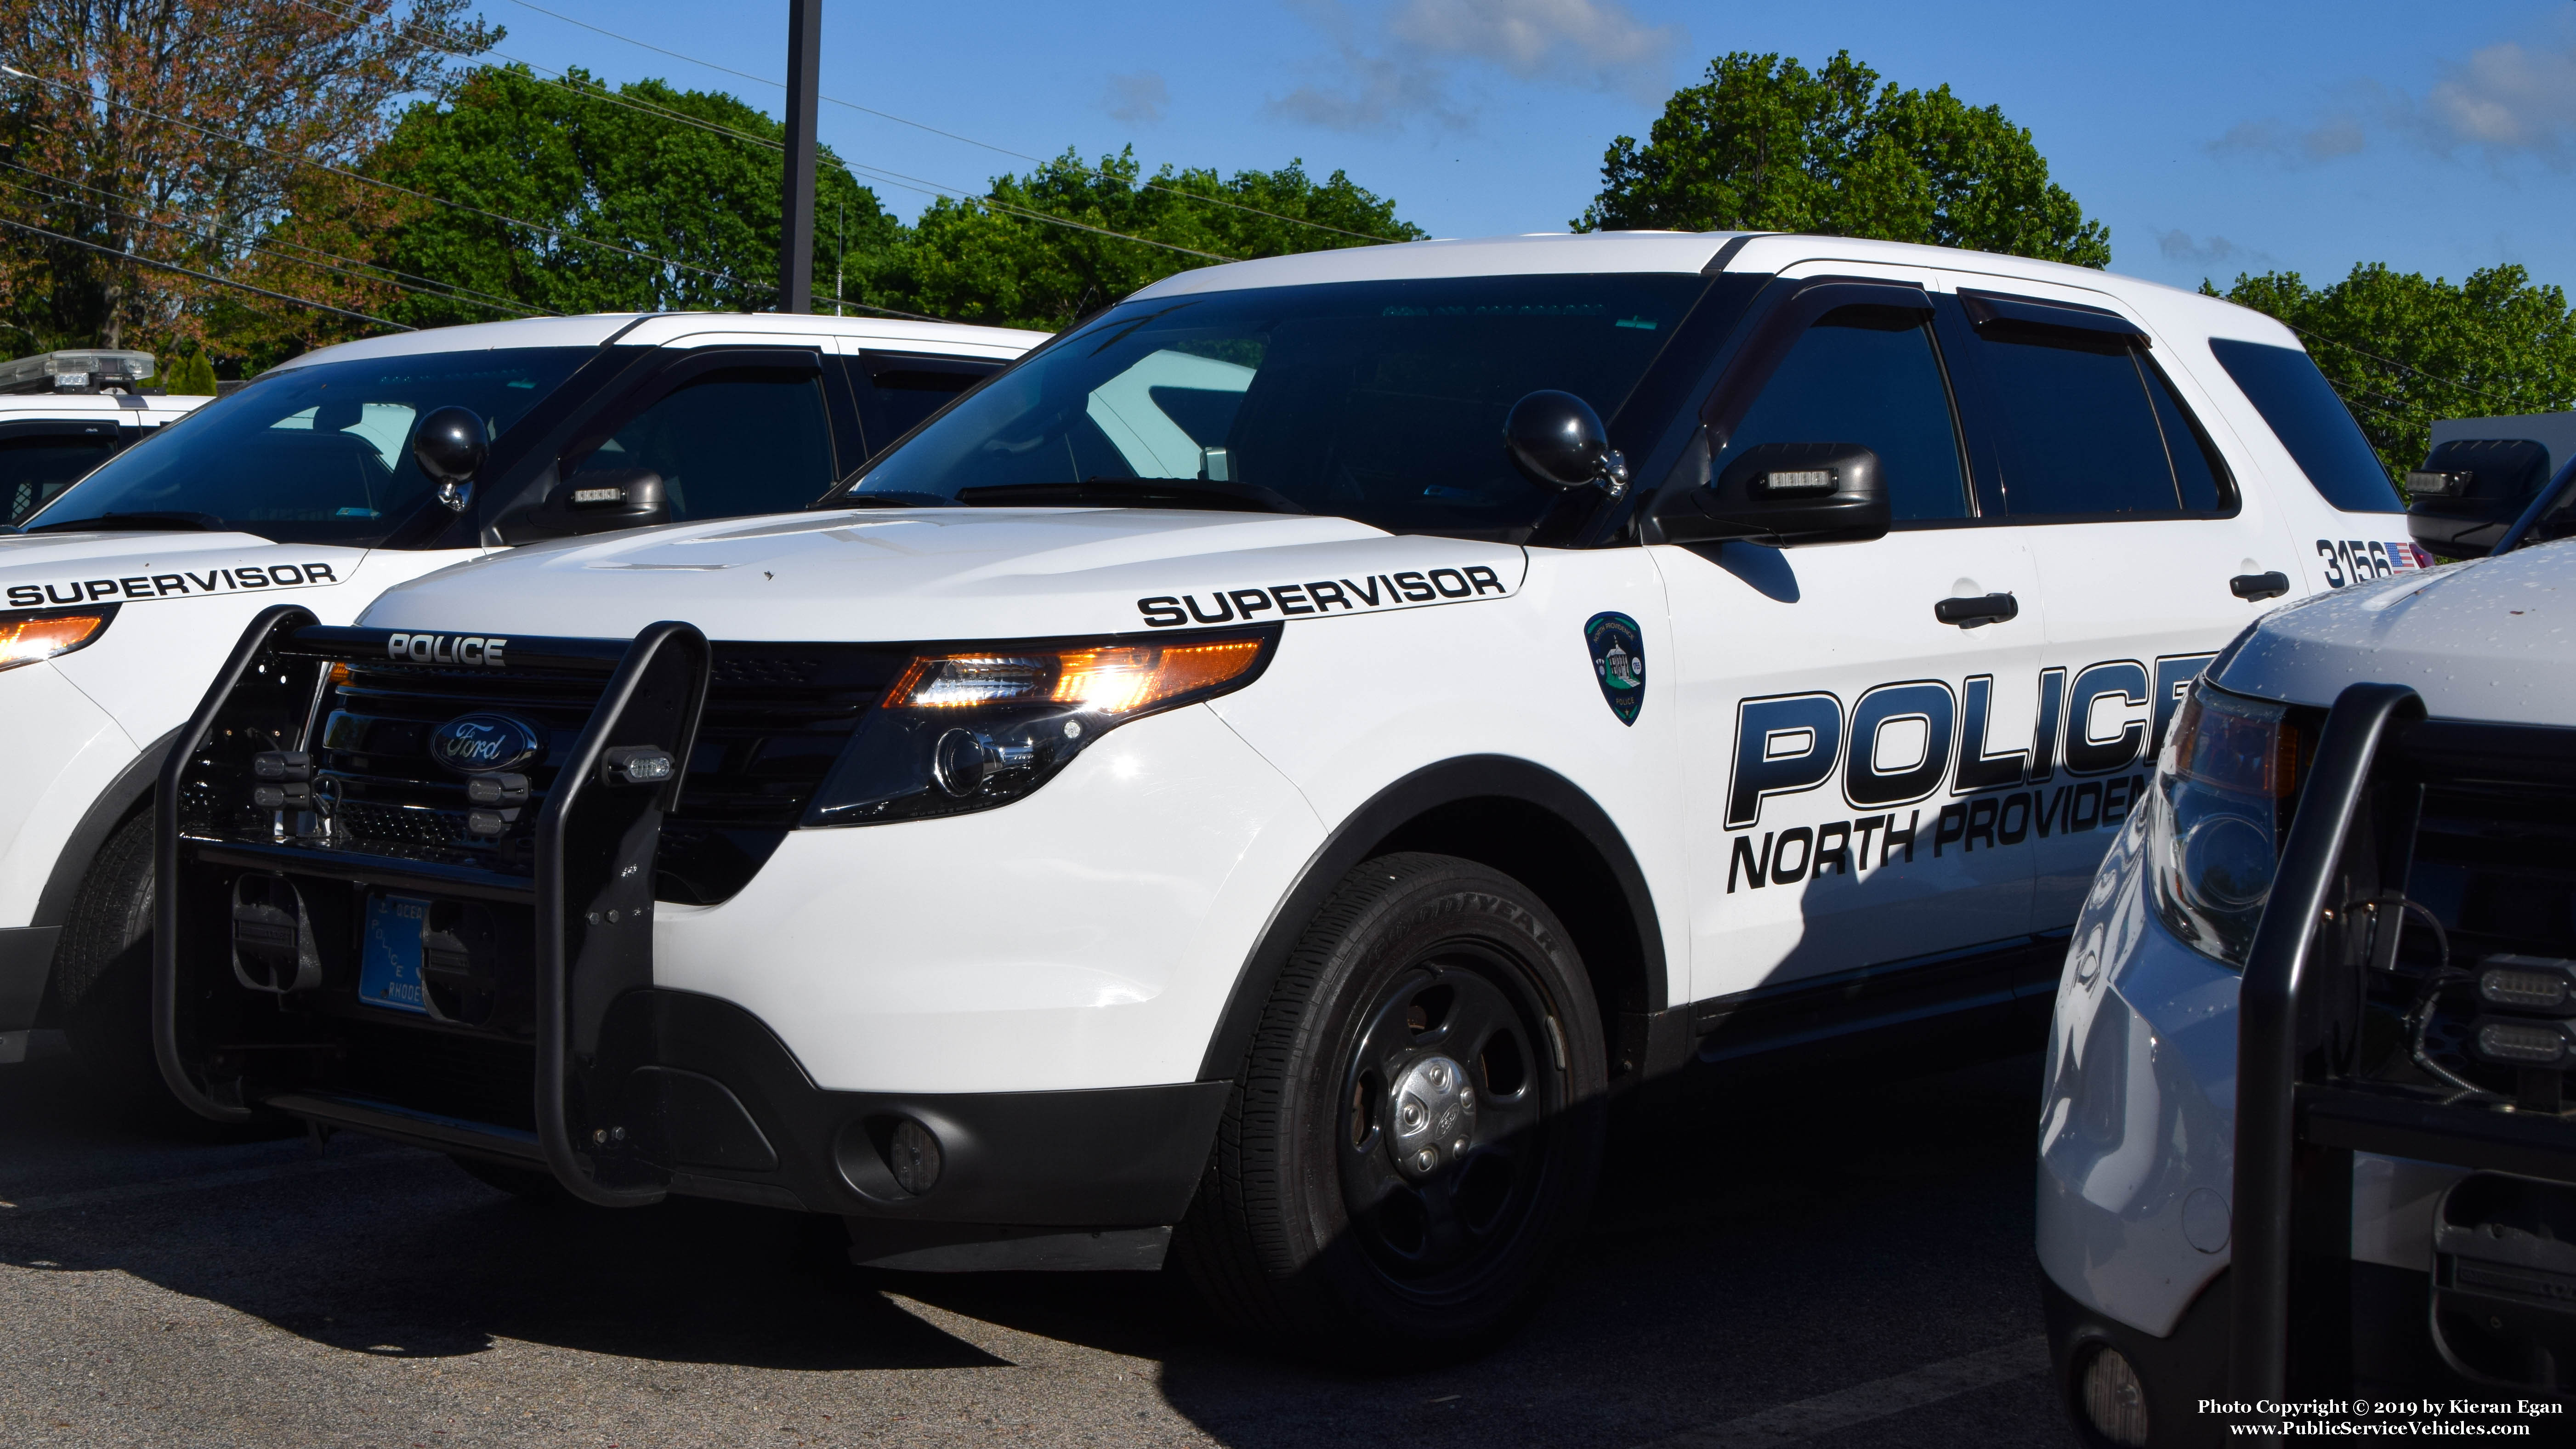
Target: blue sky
{"type": "Point", "coordinates": [2212, 138]}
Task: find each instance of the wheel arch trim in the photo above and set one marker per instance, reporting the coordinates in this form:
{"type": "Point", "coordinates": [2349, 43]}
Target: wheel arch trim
{"type": "Point", "coordinates": [123, 796]}
{"type": "Point", "coordinates": [1366, 830]}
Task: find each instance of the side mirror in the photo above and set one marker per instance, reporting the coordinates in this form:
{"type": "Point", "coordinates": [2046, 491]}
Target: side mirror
{"type": "Point", "coordinates": [1557, 441]}
{"type": "Point", "coordinates": [1784, 493]}
{"type": "Point", "coordinates": [450, 449]}
{"type": "Point", "coordinates": [2470, 491]}
{"type": "Point", "coordinates": [602, 500]}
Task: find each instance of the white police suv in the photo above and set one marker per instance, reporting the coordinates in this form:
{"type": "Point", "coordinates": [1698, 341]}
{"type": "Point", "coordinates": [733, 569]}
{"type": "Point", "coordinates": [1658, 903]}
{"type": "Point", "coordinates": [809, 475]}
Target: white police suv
{"type": "Point", "coordinates": [2306, 1133]}
{"type": "Point", "coordinates": [64, 413]}
{"type": "Point", "coordinates": [1256, 775]}
{"type": "Point", "coordinates": [321, 482]}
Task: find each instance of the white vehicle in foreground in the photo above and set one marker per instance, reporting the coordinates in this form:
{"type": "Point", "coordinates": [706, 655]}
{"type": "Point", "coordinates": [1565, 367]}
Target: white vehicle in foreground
{"type": "Point", "coordinates": [1272, 763]}
{"type": "Point", "coordinates": [120, 596]}
{"type": "Point", "coordinates": [2306, 1134]}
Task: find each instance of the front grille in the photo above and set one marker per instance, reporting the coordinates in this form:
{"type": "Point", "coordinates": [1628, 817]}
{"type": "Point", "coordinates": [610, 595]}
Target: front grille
{"type": "Point", "coordinates": [775, 721]}
{"type": "Point", "coordinates": [2492, 859]}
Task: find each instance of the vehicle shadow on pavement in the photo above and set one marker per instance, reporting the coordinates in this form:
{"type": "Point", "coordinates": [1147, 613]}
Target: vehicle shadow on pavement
{"type": "Point", "coordinates": [1754, 1245]}
{"type": "Point", "coordinates": [1757, 1247]}
{"type": "Point", "coordinates": [396, 1253]}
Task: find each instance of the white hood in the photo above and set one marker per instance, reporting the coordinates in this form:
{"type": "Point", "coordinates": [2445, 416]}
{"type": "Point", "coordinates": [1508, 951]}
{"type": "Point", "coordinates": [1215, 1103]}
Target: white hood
{"type": "Point", "coordinates": [53, 570]}
{"type": "Point", "coordinates": [2493, 639]}
{"type": "Point", "coordinates": [951, 573]}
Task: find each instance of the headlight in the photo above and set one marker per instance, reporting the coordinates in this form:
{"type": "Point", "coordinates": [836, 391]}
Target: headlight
{"type": "Point", "coordinates": [2220, 811]}
{"type": "Point", "coordinates": [974, 728]}
{"type": "Point", "coordinates": [28, 638]}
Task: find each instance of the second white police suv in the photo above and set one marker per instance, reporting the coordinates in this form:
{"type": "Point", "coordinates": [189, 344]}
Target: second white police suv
{"type": "Point", "coordinates": [1257, 776]}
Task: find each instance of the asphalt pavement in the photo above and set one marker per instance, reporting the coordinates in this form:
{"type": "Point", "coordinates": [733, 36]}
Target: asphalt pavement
{"type": "Point", "coordinates": [1824, 1263]}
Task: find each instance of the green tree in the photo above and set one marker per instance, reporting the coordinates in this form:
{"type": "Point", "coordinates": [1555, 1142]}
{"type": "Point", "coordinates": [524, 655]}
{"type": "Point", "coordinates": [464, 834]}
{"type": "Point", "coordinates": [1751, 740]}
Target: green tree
{"type": "Point", "coordinates": [1764, 144]}
{"type": "Point", "coordinates": [118, 123]}
{"type": "Point", "coordinates": [191, 373]}
{"type": "Point", "coordinates": [2405, 351]}
{"type": "Point", "coordinates": [610, 180]}
{"type": "Point", "coordinates": [994, 260]}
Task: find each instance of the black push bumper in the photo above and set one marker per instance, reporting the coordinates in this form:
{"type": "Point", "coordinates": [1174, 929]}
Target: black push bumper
{"type": "Point", "coordinates": [538, 1038]}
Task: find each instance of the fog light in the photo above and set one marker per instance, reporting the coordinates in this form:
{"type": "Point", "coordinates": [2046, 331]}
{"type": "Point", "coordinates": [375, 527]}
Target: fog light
{"type": "Point", "coordinates": [2115, 1403]}
{"type": "Point", "coordinates": [913, 1153]}
{"type": "Point", "coordinates": [282, 765]}
{"type": "Point", "coordinates": [636, 765]}
{"type": "Point", "coordinates": [291, 795]}
{"type": "Point", "coordinates": [2542, 985]}
{"type": "Point", "coordinates": [497, 789]}
{"type": "Point", "coordinates": [2520, 1043]}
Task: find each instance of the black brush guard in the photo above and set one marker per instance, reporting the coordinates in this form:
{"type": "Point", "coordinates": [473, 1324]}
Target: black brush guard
{"type": "Point", "coordinates": [2305, 1105]}
{"type": "Point", "coordinates": [582, 891]}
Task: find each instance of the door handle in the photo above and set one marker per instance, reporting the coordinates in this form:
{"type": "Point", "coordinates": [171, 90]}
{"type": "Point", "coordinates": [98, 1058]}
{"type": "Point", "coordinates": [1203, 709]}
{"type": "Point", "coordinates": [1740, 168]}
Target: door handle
{"type": "Point", "coordinates": [1971, 611]}
{"type": "Point", "coordinates": [2259, 586]}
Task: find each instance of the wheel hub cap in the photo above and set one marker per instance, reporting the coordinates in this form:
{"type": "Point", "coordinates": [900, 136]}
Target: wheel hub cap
{"type": "Point", "coordinates": [1434, 1117]}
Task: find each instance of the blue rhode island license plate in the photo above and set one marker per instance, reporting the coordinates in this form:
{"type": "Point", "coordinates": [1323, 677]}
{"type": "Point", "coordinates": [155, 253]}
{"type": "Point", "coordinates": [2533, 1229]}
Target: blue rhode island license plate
{"type": "Point", "coordinates": [389, 969]}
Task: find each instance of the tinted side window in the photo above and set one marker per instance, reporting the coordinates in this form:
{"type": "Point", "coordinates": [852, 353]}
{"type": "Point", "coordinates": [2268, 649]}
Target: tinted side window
{"type": "Point", "coordinates": [2300, 405]}
{"type": "Point", "coordinates": [896, 393]}
{"type": "Point", "coordinates": [2198, 473]}
{"type": "Point", "coordinates": [2081, 431]}
{"type": "Point", "coordinates": [742, 441]}
{"type": "Point", "coordinates": [1867, 375]}
{"type": "Point", "coordinates": [33, 470]}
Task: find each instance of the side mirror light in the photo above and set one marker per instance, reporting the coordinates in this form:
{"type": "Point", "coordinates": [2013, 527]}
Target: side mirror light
{"type": "Point", "coordinates": [1783, 493]}
{"type": "Point", "coordinates": [600, 500]}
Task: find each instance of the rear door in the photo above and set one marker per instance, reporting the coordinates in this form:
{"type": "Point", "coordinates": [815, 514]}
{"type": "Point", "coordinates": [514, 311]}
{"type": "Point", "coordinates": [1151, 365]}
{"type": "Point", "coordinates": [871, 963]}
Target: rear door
{"type": "Point", "coordinates": [2150, 552]}
{"type": "Point", "coordinates": [1828, 706]}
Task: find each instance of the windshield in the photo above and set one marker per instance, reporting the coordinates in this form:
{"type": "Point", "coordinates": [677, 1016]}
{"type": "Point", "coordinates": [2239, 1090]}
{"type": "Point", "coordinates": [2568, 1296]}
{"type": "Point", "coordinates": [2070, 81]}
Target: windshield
{"type": "Point", "coordinates": [1379, 401]}
{"type": "Point", "coordinates": [318, 454]}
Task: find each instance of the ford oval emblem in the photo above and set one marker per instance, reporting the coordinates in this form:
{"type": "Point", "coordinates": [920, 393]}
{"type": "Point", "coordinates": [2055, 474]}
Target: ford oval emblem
{"type": "Point", "coordinates": [472, 744]}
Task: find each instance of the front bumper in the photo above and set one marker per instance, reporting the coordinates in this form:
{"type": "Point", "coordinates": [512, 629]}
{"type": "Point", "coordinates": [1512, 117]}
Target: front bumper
{"type": "Point", "coordinates": [714, 1100]}
{"type": "Point", "coordinates": [537, 1031]}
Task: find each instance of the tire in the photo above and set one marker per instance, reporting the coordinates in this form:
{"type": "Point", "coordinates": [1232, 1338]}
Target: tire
{"type": "Point", "coordinates": [103, 981]}
{"type": "Point", "coordinates": [1320, 1223]}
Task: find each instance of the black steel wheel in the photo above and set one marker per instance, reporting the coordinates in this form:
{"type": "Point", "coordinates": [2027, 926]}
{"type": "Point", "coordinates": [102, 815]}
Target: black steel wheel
{"type": "Point", "coordinates": [1417, 1128]}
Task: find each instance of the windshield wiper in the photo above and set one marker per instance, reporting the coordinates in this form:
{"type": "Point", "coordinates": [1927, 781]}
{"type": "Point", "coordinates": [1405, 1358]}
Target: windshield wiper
{"type": "Point", "coordinates": [1133, 493]}
{"type": "Point", "coordinates": [890, 498]}
{"type": "Point", "coordinates": [109, 522]}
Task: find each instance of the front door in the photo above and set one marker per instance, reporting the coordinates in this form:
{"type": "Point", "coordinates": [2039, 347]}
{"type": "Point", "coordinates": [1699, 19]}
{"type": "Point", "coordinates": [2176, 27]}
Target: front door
{"type": "Point", "coordinates": [1845, 740]}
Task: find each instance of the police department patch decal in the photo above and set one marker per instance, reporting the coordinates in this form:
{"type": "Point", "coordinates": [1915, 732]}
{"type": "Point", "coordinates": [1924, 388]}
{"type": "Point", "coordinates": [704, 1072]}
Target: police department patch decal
{"type": "Point", "coordinates": [1618, 662]}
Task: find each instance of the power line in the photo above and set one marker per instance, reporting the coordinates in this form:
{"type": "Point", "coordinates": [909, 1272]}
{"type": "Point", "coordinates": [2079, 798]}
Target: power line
{"type": "Point", "coordinates": [453, 294]}
{"type": "Point", "coordinates": [205, 276]}
{"type": "Point", "coordinates": [557, 233]}
{"type": "Point", "coordinates": [602, 93]}
{"type": "Point", "coordinates": [936, 131]}
{"type": "Point", "coordinates": [2393, 362]}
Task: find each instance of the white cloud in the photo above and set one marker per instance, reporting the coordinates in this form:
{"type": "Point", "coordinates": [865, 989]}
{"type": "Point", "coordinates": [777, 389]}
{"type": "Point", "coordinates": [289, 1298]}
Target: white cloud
{"type": "Point", "coordinates": [2332, 135]}
{"type": "Point", "coordinates": [1139, 99]}
{"type": "Point", "coordinates": [2181, 246]}
{"type": "Point", "coordinates": [2507, 100]}
{"type": "Point", "coordinates": [1595, 43]}
{"type": "Point", "coordinates": [1391, 67]}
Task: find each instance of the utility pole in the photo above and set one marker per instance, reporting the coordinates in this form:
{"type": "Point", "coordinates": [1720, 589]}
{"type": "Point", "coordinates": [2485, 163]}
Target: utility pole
{"type": "Point", "coordinates": [796, 198]}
